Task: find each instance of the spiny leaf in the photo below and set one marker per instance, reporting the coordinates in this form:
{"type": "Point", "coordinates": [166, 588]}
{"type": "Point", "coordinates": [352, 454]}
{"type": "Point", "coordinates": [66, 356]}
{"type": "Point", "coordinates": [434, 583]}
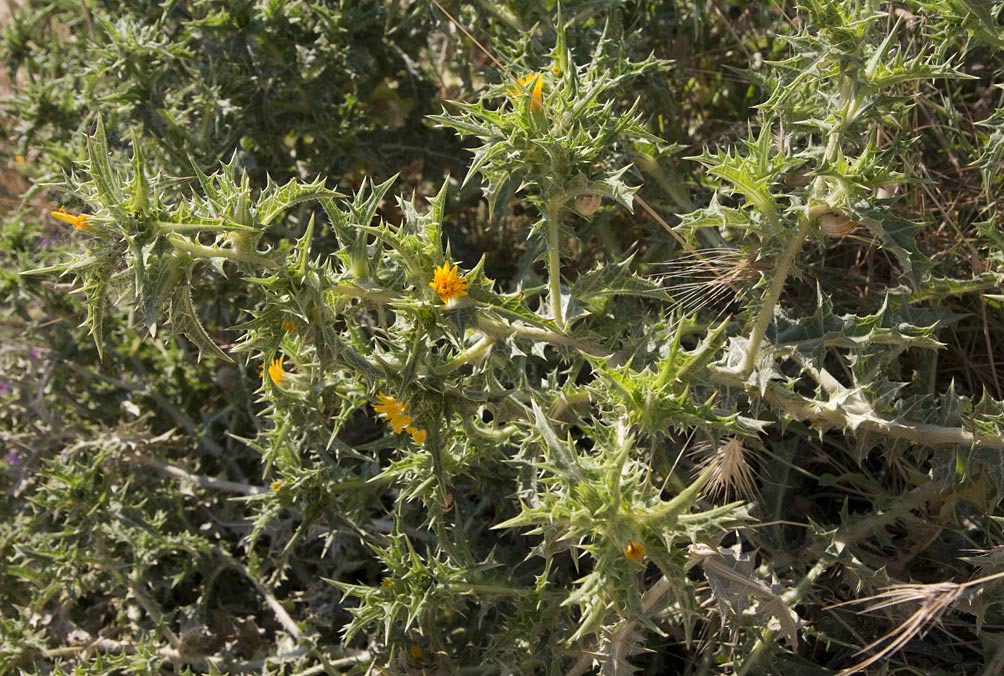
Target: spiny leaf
{"type": "Point", "coordinates": [185, 319]}
{"type": "Point", "coordinates": [812, 335]}
{"type": "Point", "coordinates": [275, 200]}
{"type": "Point", "coordinates": [105, 180]}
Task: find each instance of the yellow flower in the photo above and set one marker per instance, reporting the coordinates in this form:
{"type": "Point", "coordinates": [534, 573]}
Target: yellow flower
{"type": "Point", "coordinates": [536, 94]}
{"type": "Point", "coordinates": [634, 551]}
{"type": "Point", "coordinates": [275, 486]}
{"type": "Point", "coordinates": [20, 160]}
{"type": "Point", "coordinates": [417, 435]}
{"type": "Point", "coordinates": [79, 221]}
{"type": "Point", "coordinates": [394, 412]}
{"type": "Point", "coordinates": [447, 283]}
{"type": "Point", "coordinates": [288, 325]}
{"type": "Point", "coordinates": [276, 371]}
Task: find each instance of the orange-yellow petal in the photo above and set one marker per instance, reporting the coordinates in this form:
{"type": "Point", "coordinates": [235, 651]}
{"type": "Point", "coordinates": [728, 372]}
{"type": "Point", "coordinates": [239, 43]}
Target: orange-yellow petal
{"type": "Point", "coordinates": [447, 283]}
{"type": "Point", "coordinates": [394, 412]}
{"type": "Point", "coordinates": [536, 91]}
{"type": "Point", "coordinates": [417, 435]}
{"type": "Point", "coordinates": [79, 221]}
{"type": "Point", "coordinates": [276, 371]}
{"type": "Point", "coordinates": [634, 551]}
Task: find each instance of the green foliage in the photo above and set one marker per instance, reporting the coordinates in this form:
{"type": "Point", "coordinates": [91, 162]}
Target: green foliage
{"type": "Point", "coordinates": [297, 89]}
{"type": "Point", "coordinates": [664, 395]}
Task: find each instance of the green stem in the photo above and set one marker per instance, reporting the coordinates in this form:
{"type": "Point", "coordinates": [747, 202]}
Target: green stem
{"type": "Point", "coordinates": [554, 260]}
{"type": "Point", "coordinates": [518, 329]}
{"type": "Point", "coordinates": [226, 226]}
{"type": "Point", "coordinates": [849, 535]}
{"type": "Point", "coordinates": [475, 352]}
{"type": "Point", "coordinates": [490, 589]}
{"type": "Point", "coordinates": [624, 445]}
{"type": "Point", "coordinates": [200, 250]}
{"type": "Point", "coordinates": [694, 360]}
{"type": "Point", "coordinates": [672, 186]}
{"type": "Point", "coordinates": [781, 270]}
{"type": "Point", "coordinates": [203, 251]}
{"type": "Point", "coordinates": [499, 434]}
{"type": "Point", "coordinates": [681, 501]}
{"type": "Point", "coordinates": [375, 295]}
{"type": "Point", "coordinates": [715, 514]}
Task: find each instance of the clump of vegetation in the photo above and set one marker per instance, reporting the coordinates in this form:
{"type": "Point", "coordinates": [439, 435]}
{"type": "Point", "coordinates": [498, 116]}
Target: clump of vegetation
{"type": "Point", "coordinates": [517, 339]}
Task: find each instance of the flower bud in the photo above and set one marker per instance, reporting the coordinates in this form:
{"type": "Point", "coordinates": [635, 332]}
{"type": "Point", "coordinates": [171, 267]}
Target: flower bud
{"type": "Point", "coordinates": [836, 224]}
{"type": "Point", "coordinates": [587, 203]}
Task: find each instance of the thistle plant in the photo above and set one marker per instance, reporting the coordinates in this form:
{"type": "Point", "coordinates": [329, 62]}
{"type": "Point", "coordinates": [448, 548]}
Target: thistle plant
{"type": "Point", "coordinates": [315, 427]}
{"type": "Point", "coordinates": [559, 138]}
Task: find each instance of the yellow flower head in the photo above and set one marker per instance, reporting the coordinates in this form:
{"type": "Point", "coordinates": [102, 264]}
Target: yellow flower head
{"type": "Point", "coordinates": [635, 551]}
{"type": "Point", "coordinates": [276, 371]}
{"type": "Point", "coordinates": [394, 412]}
{"type": "Point", "coordinates": [447, 283]}
{"type": "Point", "coordinates": [288, 325]}
{"type": "Point", "coordinates": [536, 93]}
{"type": "Point", "coordinates": [276, 486]}
{"type": "Point", "coordinates": [79, 221]}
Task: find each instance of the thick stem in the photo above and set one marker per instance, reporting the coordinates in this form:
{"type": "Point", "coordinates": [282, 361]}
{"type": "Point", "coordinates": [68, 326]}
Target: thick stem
{"type": "Point", "coordinates": [374, 295]}
{"type": "Point", "coordinates": [823, 414]}
{"type": "Point", "coordinates": [184, 228]}
{"type": "Point", "coordinates": [520, 330]}
{"type": "Point", "coordinates": [499, 434]}
{"type": "Point", "coordinates": [203, 251]}
{"type": "Point", "coordinates": [781, 270]}
{"type": "Point", "coordinates": [475, 352]}
{"type": "Point", "coordinates": [554, 260]}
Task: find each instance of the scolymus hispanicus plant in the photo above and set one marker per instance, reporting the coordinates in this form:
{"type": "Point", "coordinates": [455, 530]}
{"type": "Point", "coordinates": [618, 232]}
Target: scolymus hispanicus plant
{"type": "Point", "coordinates": [564, 461]}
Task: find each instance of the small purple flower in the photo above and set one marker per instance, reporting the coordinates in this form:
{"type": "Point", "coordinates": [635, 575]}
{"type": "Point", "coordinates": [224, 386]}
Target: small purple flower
{"type": "Point", "coordinates": [12, 457]}
{"type": "Point", "coordinates": [34, 354]}
{"type": "Point", "coordinates": [5, 387]}
{"type": "Point", "coordinates": [43, 241]}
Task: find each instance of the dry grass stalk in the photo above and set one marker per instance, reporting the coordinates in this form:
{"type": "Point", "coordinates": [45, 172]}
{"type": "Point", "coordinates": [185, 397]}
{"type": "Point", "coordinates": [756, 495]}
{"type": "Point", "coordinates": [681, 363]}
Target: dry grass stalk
{"type": "Point", "coordinates": [713, 277]}
{"type": "Point", "coordinates": [935, 600]}
{"type": "Point", "coordinates": [733, 475]}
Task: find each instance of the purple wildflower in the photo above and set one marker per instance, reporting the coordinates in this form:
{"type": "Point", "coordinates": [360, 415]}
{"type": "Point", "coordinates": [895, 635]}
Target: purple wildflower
{"type": "Point", "coordinates": [12, 457]}
{"type": "Point", "coordinates": [5, 387]}
{"type": "Point", "coordinates": [34, 354]}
